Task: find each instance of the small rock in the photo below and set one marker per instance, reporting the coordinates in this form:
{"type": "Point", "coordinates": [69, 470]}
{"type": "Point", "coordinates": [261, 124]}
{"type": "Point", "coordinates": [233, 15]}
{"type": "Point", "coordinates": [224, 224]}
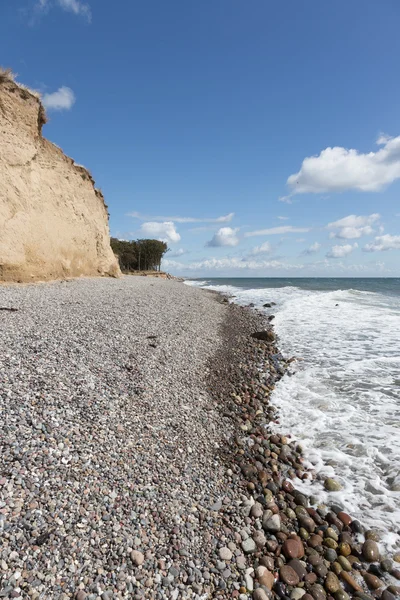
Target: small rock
{"type": "Point", "coordinates": [259, 538]}
{"type": "Point", "coordinates": [137, 557]}
{"type": "Point", "coordinates": [293, 548]}
{"type": "Point", "coordinates": [297, 593]}
{"type": "Point", "coordinates": [259, 594]}
{"type": "Point", "coordinates": [370, 551]}
{"type": "Point", "coordinates": [273, 524]}
{"type": "Point", "coordinates": [332, 584]}
{"type": "Point", "coordinates": [249, 546]}
{"type": "Point", "coordinates": [372, 581]}
{"type": "Point", "coordinates": [265, 577]}
{"type": "Point", "coordinates": [225, 554]}
{"type": "Point", "coordinates": [347, 578]}
{"type": "Point", "coordinates": [331, 485]}
{"type": "Point", "coordinates": [289, 575]}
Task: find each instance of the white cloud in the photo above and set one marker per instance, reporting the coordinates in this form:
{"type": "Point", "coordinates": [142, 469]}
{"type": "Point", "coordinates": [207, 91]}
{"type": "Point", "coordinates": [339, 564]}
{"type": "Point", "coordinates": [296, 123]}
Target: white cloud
{"type": "Point", "coordinates": [338, 169]}
{"type": "Point", "coordinates": [283, 218]}
{"type": "Point", "coordinates": [63, 99]}
{"type": "Point", "coordinates": [229, 263]}
{"type": "Point", "coordinates": [383, 242]}
{"type": "Point", "coordinates": [286, 199]}
{"type": "Point", "coordinates": [341, 251]}
{"type": "Point", "coordinates": [278, 231]}
{"type": "Point", "coordinates": [351, 233]}
{"type": "Point", "coordinates": [312, 249]}
{"type": "Point", "coordinates": [225, 236]}
{"type": "Point", "coordinates": [75, 6]}
{"type": "Point", "coordinates": [176, 253]}
{"type": "Point", "coordinates": [223, 219]}
{"type": "Point", "coordinates": [353, 226]}
{"type": "Point", "coordinates": [163, 231]}
{"type": "Point", "coordinates": [265, 248]}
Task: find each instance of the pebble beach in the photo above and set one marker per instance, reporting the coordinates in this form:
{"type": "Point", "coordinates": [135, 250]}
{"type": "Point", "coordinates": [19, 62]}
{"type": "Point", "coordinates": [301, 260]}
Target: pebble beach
{"type": "Point", "coordinates": [138, 458]}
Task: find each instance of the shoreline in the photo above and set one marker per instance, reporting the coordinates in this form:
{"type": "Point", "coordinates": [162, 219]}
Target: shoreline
{"type": "Point", "coordinates": [137, 461]}
{"type": "Point", "coordinates": [347, 538]}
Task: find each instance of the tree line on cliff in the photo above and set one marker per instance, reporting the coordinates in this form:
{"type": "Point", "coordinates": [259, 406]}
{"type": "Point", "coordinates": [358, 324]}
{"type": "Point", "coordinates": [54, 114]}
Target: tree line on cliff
{"type": "Point", "coordinates": [139, 255]}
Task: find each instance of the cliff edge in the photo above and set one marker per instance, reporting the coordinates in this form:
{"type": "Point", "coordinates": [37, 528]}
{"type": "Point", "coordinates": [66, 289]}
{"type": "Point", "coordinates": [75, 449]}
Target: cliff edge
{"type": "Point", "coordinates": [53, 221]}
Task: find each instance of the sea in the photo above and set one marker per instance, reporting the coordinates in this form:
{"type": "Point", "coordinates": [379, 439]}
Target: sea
{"type": "Point", "coordinates": [341, 400]}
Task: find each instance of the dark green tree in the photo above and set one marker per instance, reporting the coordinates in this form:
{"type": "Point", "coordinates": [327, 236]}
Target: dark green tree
{"type": "Point", "coordinates": [139, 255]}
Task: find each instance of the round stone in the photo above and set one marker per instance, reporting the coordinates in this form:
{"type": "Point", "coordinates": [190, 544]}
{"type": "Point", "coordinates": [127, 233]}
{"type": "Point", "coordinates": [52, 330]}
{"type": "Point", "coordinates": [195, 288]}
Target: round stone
{"type": "Point", "coordinates": [341, 595]}
{"type": "Point", "coordinates": [267, 561]}
{"type": "Point", "coordinates": [289, 575]}
{"type": "Point", "coordinates": [299, 567]}
{"type": "Point", "coordinates": [344, 549]}
{"type": "Point", "coordinates": [249, 546]}
{"type": "Point", "coordinates": [330, 555]}
{"type": "Point", "coordinates": [370, 551]}
{"type": "Point", "coordinates": [372, 581]}
{"type": "Point", "coordinates": [315, 540]}
{"type": "Point", "coordinates": [297, 593]}
{"type": "Point", "coordinates": [265, 577]}
{"type": "Point", "coordinates": [331, 485]}
{"type": "Point", "coordinates": [344, 563]}
{"type": "Point", "coordinates": [344, 517]}
{"type": "Point", "coordinates": [137, 558]}
{"type": "Point", "coordinates": [259, 594]}
{"type": "Point", "coordinates": [317, 592]}
{"type": "Point", "coordinates": [225, 554]}
{"type": "Point", "coordinates": [293, 548]}
{"type": "Point", "coordinates": [259, 538]}
{"type": "Point", "coordinates": [332, 584]}
{"type": "Point", "coordinates": [346, 577]}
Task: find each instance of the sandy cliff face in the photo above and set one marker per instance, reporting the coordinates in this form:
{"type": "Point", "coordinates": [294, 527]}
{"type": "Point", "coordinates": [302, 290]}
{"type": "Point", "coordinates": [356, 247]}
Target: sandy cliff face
{"type": "Point", "coordinates": [53, 222]}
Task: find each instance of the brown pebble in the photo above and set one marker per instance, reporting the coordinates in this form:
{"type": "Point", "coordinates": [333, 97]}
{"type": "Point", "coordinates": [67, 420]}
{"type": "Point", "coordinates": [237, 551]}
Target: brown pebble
{"type": "Point", "coordinates": [267, 561]}
{"type": "Point", "coordinates": [293, 548]}
{"type": "Point", "coordinates": [372, 581]}
{"type": "Point", "coordinates": [370, 551]}
{"type": "Point", "coordinates": [350, 581]}
{"type": "Point", "coordinates": [345, 518]}
{"type": "Point", "coordinates": [344, 549]}
{"type": "Point", "coordinates": [289, 575]}
{"type": "Point", "coordinates": [310, 578]}
{"type": "Point", "coordinates": [265, 577]}
{"type": "Point", "coordinates": [332, 583]}
{"type": "Point", "coordinates": [315, 540]}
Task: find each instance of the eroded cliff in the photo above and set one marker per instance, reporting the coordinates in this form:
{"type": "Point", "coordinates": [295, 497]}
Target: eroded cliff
{"type": "Point", "coordinates": [53, 221]}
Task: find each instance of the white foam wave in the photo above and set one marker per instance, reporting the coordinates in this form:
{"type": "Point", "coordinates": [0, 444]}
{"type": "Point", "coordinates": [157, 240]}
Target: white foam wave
{"type": "Point", "coordinates": [342, 402]}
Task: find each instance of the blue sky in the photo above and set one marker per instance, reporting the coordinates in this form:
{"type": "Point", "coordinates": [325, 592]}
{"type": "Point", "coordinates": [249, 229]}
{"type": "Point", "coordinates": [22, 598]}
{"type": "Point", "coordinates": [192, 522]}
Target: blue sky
{"type": "Point", "coordinates": [258, 138]}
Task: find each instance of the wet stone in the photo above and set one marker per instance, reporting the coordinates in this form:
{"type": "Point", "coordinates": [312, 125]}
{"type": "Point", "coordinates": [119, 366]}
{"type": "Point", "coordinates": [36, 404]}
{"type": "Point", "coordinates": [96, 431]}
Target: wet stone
{"type": "Point", "coordinates": [317, 592]}
{"type": "Point", "coordinates": [331, 485]}
{"type": "Point", "coordinates": [344, 563]}
{"type": "Point", "coordinates": [347, 578]}
{"type": "Point", "coordinates": [299, 567]}
{"type": "Point", "coordinates": [372, 581]}
{"type": "Point", "coordinates": [370, 550]}
{"type": "Point", "coordinates": [332, 583]}
{"type": "Point", "coordinates": [330, 555]}
{"type": "Point", "coordinates": [289, 575]}
{"type": "Point", "coordinates": [293, 548]}
{"type": "Point", "coordinates": [297, 593]}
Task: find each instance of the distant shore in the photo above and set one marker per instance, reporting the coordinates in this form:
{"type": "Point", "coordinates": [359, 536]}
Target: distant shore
{"type": "Point", "coordinates": [138, 462]}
